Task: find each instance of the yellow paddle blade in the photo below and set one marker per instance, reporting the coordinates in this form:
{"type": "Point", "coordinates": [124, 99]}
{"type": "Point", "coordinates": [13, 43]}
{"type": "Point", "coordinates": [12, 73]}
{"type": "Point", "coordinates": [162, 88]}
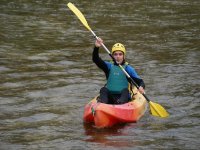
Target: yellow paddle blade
{"type": "Point", "coordinates": [158, 110]}
{"type": "Point", "coordinates": [79, 15]}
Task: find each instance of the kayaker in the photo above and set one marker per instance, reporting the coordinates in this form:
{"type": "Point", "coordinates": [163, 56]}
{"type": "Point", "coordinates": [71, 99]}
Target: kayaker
{"type": "Point", "coordinates": [116, 89]}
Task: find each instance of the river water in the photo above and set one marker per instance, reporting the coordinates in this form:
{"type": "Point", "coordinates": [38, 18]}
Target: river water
{"type": "Point", "coordinates": [47, 75]}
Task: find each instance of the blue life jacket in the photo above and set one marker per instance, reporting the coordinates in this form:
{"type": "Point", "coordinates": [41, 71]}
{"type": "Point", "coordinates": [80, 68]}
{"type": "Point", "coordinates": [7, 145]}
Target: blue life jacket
{"type": "Point", "coordinates": [117, 80]}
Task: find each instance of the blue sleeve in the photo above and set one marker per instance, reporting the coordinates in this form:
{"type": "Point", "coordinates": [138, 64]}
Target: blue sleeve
{"type": "Point", "coordinates": [133, 74]}
{"type": "Point", "coordinates": [131, 71]}
{"type": "Point", "coordinates": [108, 64]}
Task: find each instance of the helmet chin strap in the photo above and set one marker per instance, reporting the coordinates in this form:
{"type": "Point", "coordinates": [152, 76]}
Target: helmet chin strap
{"type": "Point", "coordinates": [117, 62]}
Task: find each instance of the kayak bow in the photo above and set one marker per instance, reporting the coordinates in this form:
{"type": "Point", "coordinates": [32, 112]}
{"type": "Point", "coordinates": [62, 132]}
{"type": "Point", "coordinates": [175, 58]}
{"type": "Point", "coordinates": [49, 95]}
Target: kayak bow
{"type": "Point", "coordinates": [107, 115]}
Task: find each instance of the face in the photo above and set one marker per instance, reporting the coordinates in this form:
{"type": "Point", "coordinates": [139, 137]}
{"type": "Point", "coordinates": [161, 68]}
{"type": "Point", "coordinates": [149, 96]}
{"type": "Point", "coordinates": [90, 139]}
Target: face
{"type": "Point", "coordinates": [119, 56]}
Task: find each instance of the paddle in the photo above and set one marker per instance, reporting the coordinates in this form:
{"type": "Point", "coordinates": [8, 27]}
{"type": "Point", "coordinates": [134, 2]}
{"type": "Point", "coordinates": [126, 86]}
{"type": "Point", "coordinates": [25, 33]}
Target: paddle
{"type": "Point", "coordinates": [156, 109]}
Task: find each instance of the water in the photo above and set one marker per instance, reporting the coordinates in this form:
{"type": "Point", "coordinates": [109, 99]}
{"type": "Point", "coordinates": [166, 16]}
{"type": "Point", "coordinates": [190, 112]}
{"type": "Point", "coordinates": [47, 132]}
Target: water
{"type": "Point", "coordinates": [47, 75]}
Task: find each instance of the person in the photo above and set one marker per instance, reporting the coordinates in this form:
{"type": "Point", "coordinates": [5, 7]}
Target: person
{"type": "Point", "coordinates": [116, 89]}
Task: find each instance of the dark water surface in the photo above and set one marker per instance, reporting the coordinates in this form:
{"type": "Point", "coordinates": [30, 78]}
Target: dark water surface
{"type": "Point", "coordinates": [47, 75]}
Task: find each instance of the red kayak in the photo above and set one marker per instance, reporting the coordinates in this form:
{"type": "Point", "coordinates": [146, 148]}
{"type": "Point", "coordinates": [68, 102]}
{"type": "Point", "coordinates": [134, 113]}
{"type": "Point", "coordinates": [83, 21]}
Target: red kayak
{"type": "Point", "coordinates": [107, 115]}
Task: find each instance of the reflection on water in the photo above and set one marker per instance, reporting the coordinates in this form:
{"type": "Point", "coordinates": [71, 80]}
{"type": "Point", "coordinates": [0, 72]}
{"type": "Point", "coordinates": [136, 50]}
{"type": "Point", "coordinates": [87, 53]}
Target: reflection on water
{"type": "Point", "coordinates": [47, 75]}
{"type": "Point", "coordinates": [117, 136]}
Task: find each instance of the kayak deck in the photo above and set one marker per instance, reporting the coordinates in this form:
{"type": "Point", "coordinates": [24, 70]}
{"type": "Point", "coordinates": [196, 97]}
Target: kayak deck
{"type": "Point", "coordinates": [107, 115]}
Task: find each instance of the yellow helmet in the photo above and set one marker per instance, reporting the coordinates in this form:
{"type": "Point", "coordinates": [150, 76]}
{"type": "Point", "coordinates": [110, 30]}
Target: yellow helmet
{"type": "Point", "coordinates": [118, 47]}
